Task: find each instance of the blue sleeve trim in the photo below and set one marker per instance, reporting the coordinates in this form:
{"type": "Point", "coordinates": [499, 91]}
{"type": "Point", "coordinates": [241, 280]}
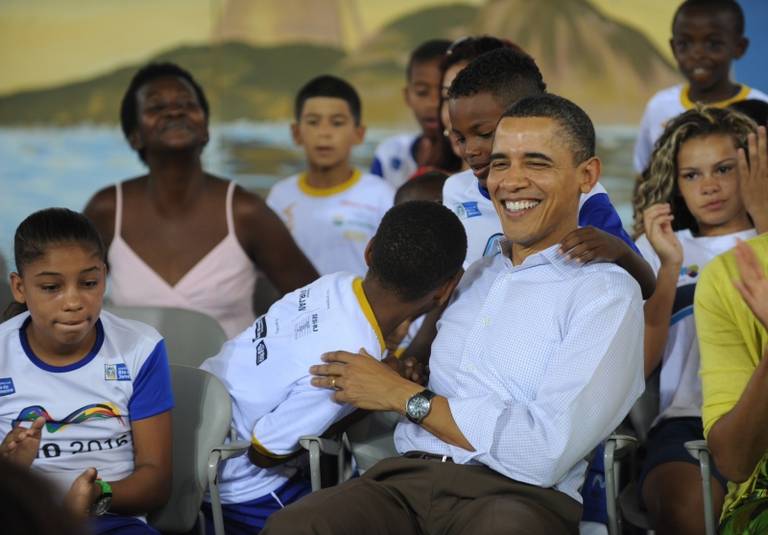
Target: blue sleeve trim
{"type": "Point", "coordinates": [598, 212]}
{"type": "Point", "coordinates": [376, 168]}
{"type": "Point", "coordinates": [152, 393]}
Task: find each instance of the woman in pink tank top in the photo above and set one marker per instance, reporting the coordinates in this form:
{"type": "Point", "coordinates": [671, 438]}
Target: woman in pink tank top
{"type": "Point", "coordinates": [178, 236]}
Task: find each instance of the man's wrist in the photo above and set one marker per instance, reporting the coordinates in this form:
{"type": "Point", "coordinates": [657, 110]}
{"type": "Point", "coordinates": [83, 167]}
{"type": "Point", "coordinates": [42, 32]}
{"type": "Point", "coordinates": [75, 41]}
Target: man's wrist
{"type": "Point", "coordinates": [401, 395]}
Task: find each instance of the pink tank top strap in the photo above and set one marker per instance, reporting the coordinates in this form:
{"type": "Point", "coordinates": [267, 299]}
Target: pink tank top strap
{"type": "Point", "coordinates": [118, 209]}
{"type": "Point", "coordinates": [230, 198]}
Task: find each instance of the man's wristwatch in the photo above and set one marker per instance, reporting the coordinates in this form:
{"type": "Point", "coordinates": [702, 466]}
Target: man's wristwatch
{"type": "Point", "coordinates": [418, 406]}
{"type": "Point", "coordinates": [103, 502]}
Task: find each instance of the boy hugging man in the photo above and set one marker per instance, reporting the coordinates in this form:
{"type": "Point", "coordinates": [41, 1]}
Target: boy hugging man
{"type": "Point", "coordinates": [398, 157]}
{"type": "Point", "coordinates": [414, 262]}
{"type": "Point", "coordinates": [331, 209]}
{"type": "Point", "coordinates": [707, 35]}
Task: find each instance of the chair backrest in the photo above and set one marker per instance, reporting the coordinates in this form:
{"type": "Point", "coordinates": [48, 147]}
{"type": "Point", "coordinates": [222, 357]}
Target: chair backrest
{"type": "Point", "coordinates": [190, 336]}
{"type": "Point", "coordinates": [201, 421]}
{"type": "Point", "coordinates": [372, 439]}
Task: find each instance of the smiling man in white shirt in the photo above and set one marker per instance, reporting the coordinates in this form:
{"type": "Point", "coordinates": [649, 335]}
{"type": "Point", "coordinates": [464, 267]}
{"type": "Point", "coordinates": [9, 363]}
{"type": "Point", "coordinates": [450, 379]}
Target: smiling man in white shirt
{"type": "Point", "coordinates": [536, 360]}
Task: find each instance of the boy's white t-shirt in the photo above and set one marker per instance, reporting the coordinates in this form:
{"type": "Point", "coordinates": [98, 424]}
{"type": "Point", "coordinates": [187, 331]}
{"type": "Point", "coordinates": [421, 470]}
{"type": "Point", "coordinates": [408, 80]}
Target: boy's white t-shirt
{"type": "Point", "coordinates": [393, 159]}
{"type": "Point", "coordinates": [333, 226]}
{"type": "Point", "coordinates": [89, 405]}
{"type": "Point", "coordinates": [266, 371]}
{"type": "Point", "coordinates": [680, 385]}
{"type": "Point", "coordinates": [667, 104]}
{"type": "Point", "coordinates": [463, 195]}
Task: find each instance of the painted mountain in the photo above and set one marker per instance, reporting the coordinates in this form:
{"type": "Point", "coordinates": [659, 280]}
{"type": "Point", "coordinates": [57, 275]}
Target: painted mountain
{"type": "Point", "coordinates": [605, 66]}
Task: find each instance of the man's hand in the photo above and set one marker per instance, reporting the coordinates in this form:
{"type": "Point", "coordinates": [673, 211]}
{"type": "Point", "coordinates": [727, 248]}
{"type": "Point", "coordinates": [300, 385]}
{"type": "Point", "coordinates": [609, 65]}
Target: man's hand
{"type": "Point", "coordinates": [83, 494]}
{"type": "Point", "coordinates": [590, 244]}
{"type": "Point", "coordinates": [657, 220]}
{"type": "Point", "coordinates": [21, 445]}
{"type": "Point", "coordinates": [753, 179]}
{"type": "Point", "coordinates": [363, 381]}
{"type": "Point", "coordinates": [753, 285]}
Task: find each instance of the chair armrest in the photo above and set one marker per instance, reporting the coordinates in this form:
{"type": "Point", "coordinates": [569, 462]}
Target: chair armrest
{"type": "Point", "coordinates": [696, 448]}
{"type": "Point", "coordinates": [231, 449]}
{"type": "Point", "coordinates": [617, 447]}
{"type": "Point", "coordinates": [218, 454]}
{"type": "Point", "coordinates": [329, 446]}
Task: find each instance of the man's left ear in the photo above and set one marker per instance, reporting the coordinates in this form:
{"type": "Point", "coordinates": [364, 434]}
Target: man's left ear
{"type": "Point", "coordinates": [589, 173]}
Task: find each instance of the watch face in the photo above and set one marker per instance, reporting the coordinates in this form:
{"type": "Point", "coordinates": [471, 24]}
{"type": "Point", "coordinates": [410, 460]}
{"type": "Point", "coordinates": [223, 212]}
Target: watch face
{"type": "Point", "coordinates": [418, 407]}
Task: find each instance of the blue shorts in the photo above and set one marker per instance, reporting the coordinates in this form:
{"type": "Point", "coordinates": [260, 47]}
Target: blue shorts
{"type": "Point", "coordinates": [666, 444]}
{"type": "Point", "coordinates": [249, 517]}
{"type": "Point", "coordinates": [120, 525]}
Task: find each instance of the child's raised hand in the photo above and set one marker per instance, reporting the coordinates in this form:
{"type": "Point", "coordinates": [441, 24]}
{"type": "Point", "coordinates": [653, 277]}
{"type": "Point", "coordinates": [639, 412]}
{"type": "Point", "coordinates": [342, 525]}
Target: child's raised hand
{"type": "Point", "coordinates": [590, 244]}
{"type": "Point", "coordinates": [753, 285]}
{"type": "Point", "coordinates": [657, 220]}
{"type": "Point", "coordinates": [753, 178]}
{"type": "Point", "coordinates": [21, 445]}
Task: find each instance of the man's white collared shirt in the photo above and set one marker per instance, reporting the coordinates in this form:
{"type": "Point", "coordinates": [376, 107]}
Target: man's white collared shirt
{"type": "Point", "coordinates": [539, 362]}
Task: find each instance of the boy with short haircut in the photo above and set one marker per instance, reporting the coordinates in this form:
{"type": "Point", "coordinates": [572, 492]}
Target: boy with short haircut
{"type": "Point", "coordinates": [707, 35]}
{"type": "Point", "coordinates": [397, 158]}
{"type": "Point", "coordinates": [478, 97]}
{"type": "Point", "coordinates": [414, 262]}
{"type": "Point", "coordinates": [332, 209]}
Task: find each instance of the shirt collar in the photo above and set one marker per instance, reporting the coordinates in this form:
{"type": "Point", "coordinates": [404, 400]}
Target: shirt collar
{"type": "Point", "coordinates": [550, 255]}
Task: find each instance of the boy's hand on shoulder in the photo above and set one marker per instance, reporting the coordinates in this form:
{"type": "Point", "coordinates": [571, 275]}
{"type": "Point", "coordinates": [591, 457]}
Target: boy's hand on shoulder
{"type": "Point", "coordinates": [590, 244]}
{"type": "Point", "coordinates": [753, 284]}
{"type": "Point", "coordinates": [657, 220]}
{"type": "Point", "coordinates": [753, 179]}
{"type": "Point", "coordinates": [21, 445]}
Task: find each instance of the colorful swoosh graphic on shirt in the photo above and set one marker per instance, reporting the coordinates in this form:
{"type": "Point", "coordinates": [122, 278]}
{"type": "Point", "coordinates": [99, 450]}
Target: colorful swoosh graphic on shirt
{"type": "Point", "coordinates": [89, 412]}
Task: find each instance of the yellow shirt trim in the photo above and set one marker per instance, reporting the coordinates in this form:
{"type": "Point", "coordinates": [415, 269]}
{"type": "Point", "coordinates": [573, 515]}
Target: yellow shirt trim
{"type": "Point", "coordinates": [313, 191]}
{"type": "Point", "coordinates": [357, 287]}
{"type": "Point", "coordinates": [259, 447]}
{"type": "Point", "coordinates": [689, 104]}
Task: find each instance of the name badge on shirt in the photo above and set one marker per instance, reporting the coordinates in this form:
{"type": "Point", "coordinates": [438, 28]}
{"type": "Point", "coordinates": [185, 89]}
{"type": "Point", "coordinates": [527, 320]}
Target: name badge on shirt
{"type": "Point", "coordinates": [116, 372]}
{"type": "Point", "coordinates": [6, 386]}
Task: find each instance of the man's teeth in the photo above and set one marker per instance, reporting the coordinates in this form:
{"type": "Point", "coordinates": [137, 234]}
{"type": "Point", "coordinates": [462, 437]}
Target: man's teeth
{"type": "Point", "coordinates": [516, 206]}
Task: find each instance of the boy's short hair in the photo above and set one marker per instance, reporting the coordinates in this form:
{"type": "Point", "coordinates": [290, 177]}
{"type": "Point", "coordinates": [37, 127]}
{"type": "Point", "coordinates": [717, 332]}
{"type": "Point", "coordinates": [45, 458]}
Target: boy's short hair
{"type": "Point", "coordinates": [574, 121]}
{"type": "Point", "coordinates": [420, 187]}
{"type": "Point", "coordinates": [129, 115]}
{"type": "Point", "coordinates": [432, 50]}
{"type": "Point", "coordinates": [504, 72]}
{"type": "Point", "coordinates": [469, 47]}
{"type": "Point", "coordinates": [329, 86]}
{"type": "Point", "coordinates": [730, 6]}
{"type": "Point", "coordinates": [418, 246]}
{"type": "Point", "coordinates": [757, 110]}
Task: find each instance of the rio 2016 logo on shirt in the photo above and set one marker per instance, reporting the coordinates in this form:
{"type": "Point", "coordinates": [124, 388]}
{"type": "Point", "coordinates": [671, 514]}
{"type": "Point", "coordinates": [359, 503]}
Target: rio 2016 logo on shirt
{"type": "Point", "coordinates": [467, 209]}
{"type": "Point", "coordinates": [89, 412]}
{"type": "Point", "coordinates": [692, 271]}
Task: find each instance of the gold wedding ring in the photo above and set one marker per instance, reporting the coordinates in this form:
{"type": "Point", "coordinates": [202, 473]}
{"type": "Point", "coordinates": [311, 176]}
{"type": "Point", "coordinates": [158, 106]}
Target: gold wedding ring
{"type": "Point", "coordinates": [333, 383]}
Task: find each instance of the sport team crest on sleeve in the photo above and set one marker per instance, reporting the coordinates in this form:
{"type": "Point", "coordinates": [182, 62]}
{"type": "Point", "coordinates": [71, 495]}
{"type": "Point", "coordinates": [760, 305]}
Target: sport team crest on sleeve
{"type": "Point", "coordinates": [467, 209]}
{"type": "Point", "coordinates": [261, 352]}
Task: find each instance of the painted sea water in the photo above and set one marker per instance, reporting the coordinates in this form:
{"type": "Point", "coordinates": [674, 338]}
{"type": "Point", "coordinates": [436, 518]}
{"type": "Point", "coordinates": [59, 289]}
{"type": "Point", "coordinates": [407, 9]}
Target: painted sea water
{"type": "Point", "coordinates": [42, 167]}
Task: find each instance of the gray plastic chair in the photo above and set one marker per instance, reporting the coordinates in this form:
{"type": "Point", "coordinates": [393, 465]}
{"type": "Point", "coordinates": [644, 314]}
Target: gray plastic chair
{"type": "Point", "coordinates": [201, 421]}
{"type": "Point", "coordinates": [190, 336]}
{"type": "Point", "coordinates": [369, 440]}
{"type": "Point", "coordinates": [621, 448]}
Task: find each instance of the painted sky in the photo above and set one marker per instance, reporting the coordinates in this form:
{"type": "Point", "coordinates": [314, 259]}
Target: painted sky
{"type": "Point", "coordinates": [47, 42]}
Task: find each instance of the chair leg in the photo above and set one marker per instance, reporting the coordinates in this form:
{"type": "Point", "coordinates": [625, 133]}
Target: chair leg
{"type": "Point", "coordinates": [611, 493]}
{"type": "Point", "coordinates": [706, 487]}
{"type": "Point", "coordinates": [213, 489]}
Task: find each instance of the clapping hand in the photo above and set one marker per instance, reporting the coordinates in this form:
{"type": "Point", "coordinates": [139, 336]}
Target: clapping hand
{"type": "Point", "coordinates": [753, 284]}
